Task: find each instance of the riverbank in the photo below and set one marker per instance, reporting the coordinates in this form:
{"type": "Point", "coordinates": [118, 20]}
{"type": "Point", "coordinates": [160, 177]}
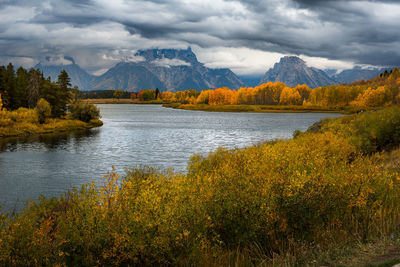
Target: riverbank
{"type": "Point", "coordinates": [51, 126]}
{"type": "Point", "coordinates": [234, 108]}
{"type": "Point", "coordinates": [263, 108]}
{"type": "Point", "coordinates": [120, 101]}
{"type": "Point", "coordinates": [323, 198]}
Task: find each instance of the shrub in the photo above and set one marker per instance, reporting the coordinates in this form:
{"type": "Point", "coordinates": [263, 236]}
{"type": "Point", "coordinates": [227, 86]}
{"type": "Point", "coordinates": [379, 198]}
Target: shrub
{"type": "Point", "coordinates": [84, 111]}
{"type": "Point", "coordinates": [43, 110]}
{"type": "Point", "coordinates": [315, 187]}
{"type": "Point", "coordinates": [369, 131]}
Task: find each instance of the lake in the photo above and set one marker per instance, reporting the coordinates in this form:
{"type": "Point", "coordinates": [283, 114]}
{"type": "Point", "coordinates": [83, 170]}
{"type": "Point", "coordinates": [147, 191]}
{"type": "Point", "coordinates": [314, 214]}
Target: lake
{"type": "Point", "coordinates": [131, 135]}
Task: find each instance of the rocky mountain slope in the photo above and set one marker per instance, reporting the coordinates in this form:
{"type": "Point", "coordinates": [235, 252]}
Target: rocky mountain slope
{"type": "Point", "coordinates": [293, 71]}
{"type": "Point", "coordinates": [79, 77]}
{"type": "Point", "coordinates": [357, 74]}
{"type": "Point", "coordinates": [167, 69]}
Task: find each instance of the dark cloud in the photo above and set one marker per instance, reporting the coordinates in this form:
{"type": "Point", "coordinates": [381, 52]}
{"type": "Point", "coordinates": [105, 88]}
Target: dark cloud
{"type": "Point", "coordinates": [98, 31]}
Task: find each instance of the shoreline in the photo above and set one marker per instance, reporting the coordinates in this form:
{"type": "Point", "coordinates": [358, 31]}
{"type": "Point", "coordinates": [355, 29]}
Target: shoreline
{"type": "Point", "coordinates": [258, 108]}
{"type": "Point", "coordinates": [121, 101]}
{"type": "Point", "coordinates": [231, 108]}
{"type": "Point", "coordinates": [53, 126]}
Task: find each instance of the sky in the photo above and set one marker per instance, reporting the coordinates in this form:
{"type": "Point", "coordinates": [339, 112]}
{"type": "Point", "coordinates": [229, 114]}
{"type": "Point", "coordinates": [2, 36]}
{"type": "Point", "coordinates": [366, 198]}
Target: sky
{"type": "Point", "coordinates": [247, 36]}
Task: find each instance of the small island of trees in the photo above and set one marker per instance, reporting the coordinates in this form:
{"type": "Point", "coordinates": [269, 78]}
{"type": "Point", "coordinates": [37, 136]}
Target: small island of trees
{"type": "Point", "coordinates": [32, 104]}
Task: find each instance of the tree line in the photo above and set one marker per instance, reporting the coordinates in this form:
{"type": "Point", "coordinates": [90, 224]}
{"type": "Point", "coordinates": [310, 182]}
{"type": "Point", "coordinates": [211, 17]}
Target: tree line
{"type": "Point", "coordinates": [23, 89]}
{"type": "Point", "coordinates": [381, 91]}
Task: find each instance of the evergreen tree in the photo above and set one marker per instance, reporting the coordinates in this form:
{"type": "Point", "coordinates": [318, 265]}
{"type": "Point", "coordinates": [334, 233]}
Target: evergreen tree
{"type": "Point", "coordinates": [63, 94]}
{"type": "Point", "coordinates": [33, 87]}
{"type": "Point", "coordinates": [3, 87]}
{"type": "Point", "coordinates": [22, 88]}
{"type": "Point", "coordinates": [11, 87]}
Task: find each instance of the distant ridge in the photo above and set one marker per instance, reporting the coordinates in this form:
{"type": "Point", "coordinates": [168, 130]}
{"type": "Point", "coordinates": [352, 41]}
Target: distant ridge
{"type": "Point", "coordinates": [357, 74]}
{"type": "Point", "coordinates": [167, 69]}
{"type": "Point", "coordinates": [293, 71]}
{"type": "Point", "coordinates": [79, 77]}
{"type": "Point", "coordinates": [178, 69]}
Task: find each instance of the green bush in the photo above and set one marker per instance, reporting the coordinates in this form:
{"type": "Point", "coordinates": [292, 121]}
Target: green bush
{"type": "Point", "coordinates": [84, 111]}
{"type": "Point", "coordinates": [43, 110]}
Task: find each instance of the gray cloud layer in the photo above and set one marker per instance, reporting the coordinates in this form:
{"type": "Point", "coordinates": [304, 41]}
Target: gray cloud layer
{"type": "Point", "coordinates": [94, 32]}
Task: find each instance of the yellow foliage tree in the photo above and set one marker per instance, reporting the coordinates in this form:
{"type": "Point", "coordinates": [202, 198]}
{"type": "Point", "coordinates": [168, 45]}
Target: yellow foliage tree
{"type": "Point", "coordinates": [290, 96]}
{"type": "Point", "coordinates": [203, 98]}
{"type": "Point", "coordinates": [372, 98]}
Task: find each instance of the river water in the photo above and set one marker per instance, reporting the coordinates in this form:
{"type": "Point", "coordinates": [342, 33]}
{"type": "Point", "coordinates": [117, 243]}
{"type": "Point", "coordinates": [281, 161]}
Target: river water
{"type": "Point", "coordinates": [131, 135]}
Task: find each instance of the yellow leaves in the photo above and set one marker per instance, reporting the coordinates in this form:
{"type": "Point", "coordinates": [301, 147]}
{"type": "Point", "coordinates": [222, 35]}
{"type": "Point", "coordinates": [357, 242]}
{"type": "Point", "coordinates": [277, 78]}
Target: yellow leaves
{"type": "Point", "coordinates": [110, 188]}
{"type": "Point", "coordinates": [290, 96]}
{"type": "Point", "coordinates": [311, 186]}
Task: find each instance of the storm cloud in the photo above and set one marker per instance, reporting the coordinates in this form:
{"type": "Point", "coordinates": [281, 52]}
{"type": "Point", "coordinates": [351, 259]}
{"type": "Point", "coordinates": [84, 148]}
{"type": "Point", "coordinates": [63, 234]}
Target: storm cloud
{"type": "Point", "coordinates": [247, 36]}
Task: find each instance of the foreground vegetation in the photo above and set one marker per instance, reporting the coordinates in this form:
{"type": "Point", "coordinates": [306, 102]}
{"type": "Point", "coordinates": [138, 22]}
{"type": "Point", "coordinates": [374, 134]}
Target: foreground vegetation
{"type": "Point", "coordinates": [312, 200]}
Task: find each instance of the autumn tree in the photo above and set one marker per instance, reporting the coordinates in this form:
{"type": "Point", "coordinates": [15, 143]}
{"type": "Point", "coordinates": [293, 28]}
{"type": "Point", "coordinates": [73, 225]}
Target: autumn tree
{"type": "Point", "coordinates": [304, 91]}
{"type": "Point", "coordinates": [290, 96]}
{"type": "Point", "coordinates": [43, 110]}
{"type": "Point", "coordinates": [373, 98]}
{"type": "Point", "coordinates": [146, 95]}
{"type": "Point", "coordinates": [118, 94]}
{"type": "Point", "coordinates": [203, 97]}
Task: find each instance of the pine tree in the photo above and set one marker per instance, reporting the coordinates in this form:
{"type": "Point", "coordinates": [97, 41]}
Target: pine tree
{"type": "Point", "coordinates": [63, 94]}
{"type": "Point", "coordinates": [3, 87]}
{"type": "Point", "coordinates": [11, 87]}
{"type": "Point", "coordinates": [22, 88]}
{"type": "Point", "coordinates": [33, 87]}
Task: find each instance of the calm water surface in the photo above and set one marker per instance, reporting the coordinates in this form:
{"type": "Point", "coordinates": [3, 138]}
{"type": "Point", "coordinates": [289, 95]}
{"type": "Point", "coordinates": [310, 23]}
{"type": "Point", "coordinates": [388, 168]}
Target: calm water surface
{"type": "Point", "coordinates": [131, 135]}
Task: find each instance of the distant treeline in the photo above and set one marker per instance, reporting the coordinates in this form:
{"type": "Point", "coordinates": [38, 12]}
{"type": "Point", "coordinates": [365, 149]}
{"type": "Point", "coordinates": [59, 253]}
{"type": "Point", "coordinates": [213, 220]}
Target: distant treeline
{"type": "Point", "coordinates": [23, 89]}
{"type": "Point", "coordinates": [102, 94]}
{"type": "Point", "coordinates": [381, 91]}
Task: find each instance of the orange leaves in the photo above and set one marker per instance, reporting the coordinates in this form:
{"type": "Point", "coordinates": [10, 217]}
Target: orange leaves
{"type": "Point", "coordinates": [222, 96]}
{"type": "Point", "coordinates": [373, 98]}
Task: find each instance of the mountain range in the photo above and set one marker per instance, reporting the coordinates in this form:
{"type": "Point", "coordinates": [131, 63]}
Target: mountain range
{"type": "Point", "coordinates": [293, 70]}
{"type": "Point", "coordinates": [167, 69]}
{"type": "Point", "coordinates": [178, 69]}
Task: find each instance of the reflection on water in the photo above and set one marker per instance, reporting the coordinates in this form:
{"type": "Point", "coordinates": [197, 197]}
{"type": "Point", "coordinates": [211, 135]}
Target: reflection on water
{"type": "Point", "coordinates": [57, 141]}
{"type": "Point", "coordinates": [131, 135]}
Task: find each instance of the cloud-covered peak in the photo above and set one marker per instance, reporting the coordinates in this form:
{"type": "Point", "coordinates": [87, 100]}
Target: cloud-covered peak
{"type": "Point", "coordinates": [57, 60]}
{"type": "Point", "coordinates": [167, 62]}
